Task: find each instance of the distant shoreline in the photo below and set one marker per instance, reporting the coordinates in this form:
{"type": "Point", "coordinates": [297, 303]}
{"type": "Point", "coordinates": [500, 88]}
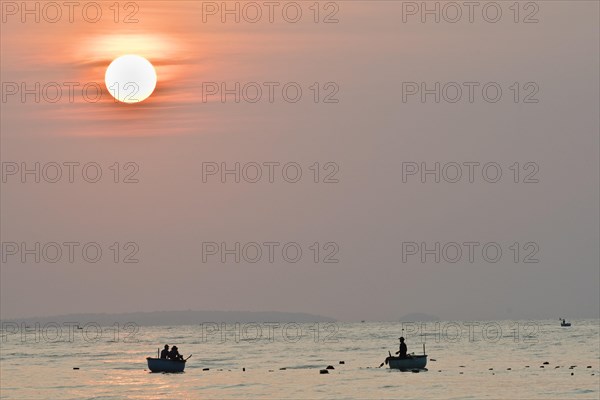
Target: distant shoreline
{"type": "Point", "coordinates": [174, 318]}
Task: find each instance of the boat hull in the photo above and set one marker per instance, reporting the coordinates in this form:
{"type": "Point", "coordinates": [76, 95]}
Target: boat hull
{"type": "Point", "coordinates": [164, 365]}
{"type": "Point", "coordinates": [408, 363]}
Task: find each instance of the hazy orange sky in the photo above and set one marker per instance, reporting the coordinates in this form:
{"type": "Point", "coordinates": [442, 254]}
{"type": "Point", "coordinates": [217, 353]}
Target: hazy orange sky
{"type": "Point", "coordinates": [368, 133]}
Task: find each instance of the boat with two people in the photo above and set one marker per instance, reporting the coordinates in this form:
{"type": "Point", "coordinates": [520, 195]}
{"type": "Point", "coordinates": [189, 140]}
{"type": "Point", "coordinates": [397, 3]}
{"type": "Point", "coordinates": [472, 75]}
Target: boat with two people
{"type": "Point", "coordinates": [167, 361]}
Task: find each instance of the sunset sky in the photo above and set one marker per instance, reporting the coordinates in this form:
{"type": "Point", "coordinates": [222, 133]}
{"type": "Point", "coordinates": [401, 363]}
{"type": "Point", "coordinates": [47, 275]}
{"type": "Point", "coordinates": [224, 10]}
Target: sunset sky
{"type": "Point", "coordinates": [368, 133]}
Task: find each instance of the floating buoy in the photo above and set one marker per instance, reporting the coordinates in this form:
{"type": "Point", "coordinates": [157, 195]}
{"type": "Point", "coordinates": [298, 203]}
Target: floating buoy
{"type": "Point", "coordinates": [323, 371]}
{"type": "Point", "coordinates": [205, 369]}
{"type": "Point", "coordinates": [571, 374]}
{"type": "Point", "coordinates": [557, 367]}
{"type": "Point", "coordinates": [461, 366]}
{"type": "Point", "coordinates": [508, 369]}
{"type": "Point", "coordinates": [282, 369]}
{"type": "Point", "coordinates": [527, 366]}
{"type": "Point", "coordinates": [342, 362]}
{"type": "Point", "coordinates": [439, 370]}
{"type": "Point", "coordinates": [244, 369]}
{"type": "Point", "coordinates": [541, 366]}
{"type": "Point", "coordinates": [461, 373]}
{"type": "Point", "coordinates": [589, 366]}
{"type": "Point", "coordinates": [490, 369]}
{"type": "Point", "coordinates": [330, 367]}
{"type": "Point", "coordinates": [75, 367]}
{"type": "Point", "coordinates": [545, 363]}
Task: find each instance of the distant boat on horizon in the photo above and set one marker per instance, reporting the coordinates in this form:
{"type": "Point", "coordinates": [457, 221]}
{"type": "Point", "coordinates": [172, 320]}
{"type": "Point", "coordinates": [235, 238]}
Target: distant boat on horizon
{"type": "Point", "coordinates": [564, 323]}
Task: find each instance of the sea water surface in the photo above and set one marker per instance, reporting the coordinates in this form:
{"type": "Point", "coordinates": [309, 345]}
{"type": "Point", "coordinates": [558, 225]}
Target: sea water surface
{"type": "Point", "coordinates": [467, 360]}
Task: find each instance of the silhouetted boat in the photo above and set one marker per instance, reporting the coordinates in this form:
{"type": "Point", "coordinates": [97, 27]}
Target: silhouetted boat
{"type": "Point", "coordinates": [407, 363]}
{"type": "Point", "coordinates": [564, 323]}
{"type": "Point", "coordinates": [165, 365]}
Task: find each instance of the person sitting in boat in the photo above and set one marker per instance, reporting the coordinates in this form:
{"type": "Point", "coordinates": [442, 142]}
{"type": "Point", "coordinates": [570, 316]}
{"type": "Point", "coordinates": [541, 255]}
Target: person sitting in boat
{"type": "Point", "coordinates": [165, 352]}
{"type": "Point", "coordinates": [174, 354]}
{"type": "Point", "coordinates": [403, 349]}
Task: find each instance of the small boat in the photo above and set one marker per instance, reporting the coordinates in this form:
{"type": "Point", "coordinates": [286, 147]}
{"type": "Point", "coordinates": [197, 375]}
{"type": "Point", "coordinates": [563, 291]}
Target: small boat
{"type": "Point", "coordinates": [165, 365]}
{"type": "Point", "coordinates": [407, 363]}
{"type": "Point", "coordinates": [564, 323]}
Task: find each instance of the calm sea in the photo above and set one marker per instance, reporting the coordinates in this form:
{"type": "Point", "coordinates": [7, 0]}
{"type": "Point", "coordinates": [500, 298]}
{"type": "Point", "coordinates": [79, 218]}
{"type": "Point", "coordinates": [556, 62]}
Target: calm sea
{"type": "Point", "coordinates": [468, 360]}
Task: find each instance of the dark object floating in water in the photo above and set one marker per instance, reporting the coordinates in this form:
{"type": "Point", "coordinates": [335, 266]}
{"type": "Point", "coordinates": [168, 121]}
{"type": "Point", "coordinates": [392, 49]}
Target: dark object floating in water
{"type": "Point", "coordinates": [164, 365]}
{"type": "Point", "coordinates": [205, 369]}
{"type": "Point", "coordinates": [461, 366]}
{"type": "Point", "coordinates": [75, 367]}
{"type": "Point", "coordinates": [432, 359]}
{"type": "Point", "coordinates": [323, 371]}
{"type": "Point", "coordinates": [545, 363]}
{"type": "Point", "coordinates": [270, 370]}
{"type": "Point", "coordinates": [330, 367]}
{"type": "Point", "coordinates": [556, 367]}
{"type": "Point", "coordinates": [589, 366]}
{"type": "Point", "coordinates": [541, 366]}
{"type": "Point", "coordinates": [461, 373]}
{"type": "Point", "coordinates": [244, 369]}
{"type": "Point", "coordinates": [572, 374]}
{"type": "Point", "coordinates": [282, 369]}
{"type": "Point", "coordinates": [342, 362]}
{"type": "Point", "coordinates": [439, 370]}
{"type": "Point", "coordinates": [490, 369]}
{"type": "Point", "coordinates": [508, 369]}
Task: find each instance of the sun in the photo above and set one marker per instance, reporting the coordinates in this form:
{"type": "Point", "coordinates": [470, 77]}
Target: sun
{"type": "Point", "coordinates": [130, 78]}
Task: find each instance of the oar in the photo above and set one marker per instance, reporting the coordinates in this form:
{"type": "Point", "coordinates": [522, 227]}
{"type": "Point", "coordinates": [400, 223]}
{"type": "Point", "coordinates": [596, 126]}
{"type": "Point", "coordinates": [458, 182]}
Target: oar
{"type": "Point", "coordinates": [386, 360]}
{"type": "Point", "coordinates": [188, 357]}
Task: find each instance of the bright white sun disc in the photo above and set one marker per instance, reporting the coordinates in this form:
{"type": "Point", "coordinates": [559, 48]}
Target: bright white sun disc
{"type": "Point", "coordinates": [130, 78]}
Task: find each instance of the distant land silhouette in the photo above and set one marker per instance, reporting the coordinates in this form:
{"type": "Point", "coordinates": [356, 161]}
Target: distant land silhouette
{"type": "Point", "coordinates": [189, 317]}
{"type": "Point", "coordinates": [417, 317]}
